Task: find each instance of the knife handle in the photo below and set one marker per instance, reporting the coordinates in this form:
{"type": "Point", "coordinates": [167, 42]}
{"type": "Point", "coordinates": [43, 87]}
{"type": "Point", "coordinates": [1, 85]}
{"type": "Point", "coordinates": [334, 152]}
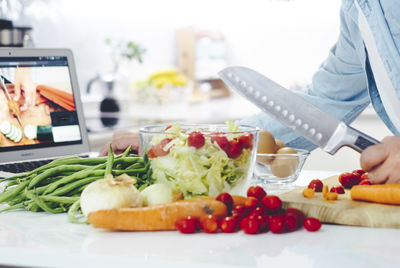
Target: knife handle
{"type": "Point", "coordinates": [361, 140]}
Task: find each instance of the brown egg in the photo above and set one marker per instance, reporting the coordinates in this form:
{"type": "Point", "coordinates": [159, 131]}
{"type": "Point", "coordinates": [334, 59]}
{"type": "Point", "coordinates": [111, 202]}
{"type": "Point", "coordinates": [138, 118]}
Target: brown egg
{"type": "Point", "coordinates": [285, 165]}
{"type": "Point", "coordinates": [279, 144]}
{"type": "Point", "coordinates": [266, 143]}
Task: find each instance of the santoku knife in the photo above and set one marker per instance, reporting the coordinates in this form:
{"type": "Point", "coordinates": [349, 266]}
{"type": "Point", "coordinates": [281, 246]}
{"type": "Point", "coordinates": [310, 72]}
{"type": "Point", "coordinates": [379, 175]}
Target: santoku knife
{"type": "Point", "coordinates": [306, 119]}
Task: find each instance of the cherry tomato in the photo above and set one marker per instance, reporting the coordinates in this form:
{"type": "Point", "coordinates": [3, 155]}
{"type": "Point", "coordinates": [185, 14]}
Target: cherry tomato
{"type": "Point", "coordinates": [222, 141]}
{"type": "Point", "coordinates": [276, 223]}
{"type": "Point", "coordinates": [364, 176]}
{"type": "Point", "coordinates": [246, 141]}
{"type": "Point", "coordinates": [262, 221]}
{"type": "Point", "coordinates": [209, 224]}
{"type": "Point", "coordinates": [256, 191]}
{"type": "Point", "coordinates": [337, 189]}
{"type": "Point", "coordinates": [312, 224]}
{"type": "Point", "coordinates": [234, 149]}
{"type": "Point", "coordinates": [291, 221]}
{"type": "Point", "coordinates": [299, 214]}
{"type": "Point", "coordinates": [158, 149]}
{"type": "Point", "coordinates": [251, 203]}
{"type": "Point", "coordinates": [316, 185]}
{"type": "Point", "coordinates": [358, 171]}
{"type": "Point", "coordinates": [250, 225]}
{"type": "Point", "coordinates": [348, 179]}
{"type": "Point", "coordinates": [239, 211]}
{"type": "Point", "coordinates": [259, 210]}
{"type": "Point", "coordinates": [271, 202]}
{"type": "Point", "coordinates": [229, 224]}
{"type": "Point", "coordinates": [196, 139]}
{"type": "Point", "coordinates": [365, 182]}
{"type": "Point", "coordinates": [187, 225]}
{"type": "Point", "coordinates": [227, 199]}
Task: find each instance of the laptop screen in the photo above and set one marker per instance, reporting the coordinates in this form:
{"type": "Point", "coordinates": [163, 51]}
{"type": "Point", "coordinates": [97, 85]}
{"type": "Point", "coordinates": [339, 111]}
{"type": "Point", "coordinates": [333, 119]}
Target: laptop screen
{"type": "Point", "coordinates": [37, 103]}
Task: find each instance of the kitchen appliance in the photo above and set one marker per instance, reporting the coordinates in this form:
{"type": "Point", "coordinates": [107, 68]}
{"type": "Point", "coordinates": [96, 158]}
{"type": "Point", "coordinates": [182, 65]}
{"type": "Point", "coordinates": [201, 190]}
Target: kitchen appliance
{"type": "Point", "coordinates": [15, 36]}
{"type": "Point", "coordinates": [309, 121]}
{"type": "Point", "coordinates": [109, 106]}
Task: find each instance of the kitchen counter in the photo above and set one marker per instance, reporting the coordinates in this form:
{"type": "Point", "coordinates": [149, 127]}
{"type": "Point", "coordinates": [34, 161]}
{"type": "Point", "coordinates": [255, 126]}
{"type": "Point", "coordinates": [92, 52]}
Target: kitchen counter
{"type": "Point", "coordinates": [45, 240]}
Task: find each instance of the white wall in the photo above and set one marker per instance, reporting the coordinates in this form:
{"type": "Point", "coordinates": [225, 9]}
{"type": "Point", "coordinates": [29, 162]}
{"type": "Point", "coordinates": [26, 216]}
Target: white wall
{"type": "Point", "coordinates": [285, 39]}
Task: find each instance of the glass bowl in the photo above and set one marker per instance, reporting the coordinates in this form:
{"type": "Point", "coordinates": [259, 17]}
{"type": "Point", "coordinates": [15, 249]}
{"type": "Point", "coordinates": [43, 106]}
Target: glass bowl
{"type": "Point", "coordinates": [279, 169]}
{"type": "Point", "coordinates": [201, 159]}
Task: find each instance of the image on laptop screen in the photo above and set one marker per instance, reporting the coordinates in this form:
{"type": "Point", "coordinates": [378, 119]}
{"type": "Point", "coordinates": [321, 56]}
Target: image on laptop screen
{"type": "Point", "coordinates": [44, 114]}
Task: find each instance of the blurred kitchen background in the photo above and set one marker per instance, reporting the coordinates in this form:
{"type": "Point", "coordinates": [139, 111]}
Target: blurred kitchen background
{"type": "Point", "coordinates": [141, 62]}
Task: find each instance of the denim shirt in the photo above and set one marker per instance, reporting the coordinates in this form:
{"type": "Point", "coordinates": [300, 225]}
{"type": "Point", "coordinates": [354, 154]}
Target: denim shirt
{"type": "Point", "coordinates": [344, 84]}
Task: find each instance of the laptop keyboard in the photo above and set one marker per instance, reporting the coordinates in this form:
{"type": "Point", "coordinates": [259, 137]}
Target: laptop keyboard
{"type": "Point", "coordinates": [23, 166]}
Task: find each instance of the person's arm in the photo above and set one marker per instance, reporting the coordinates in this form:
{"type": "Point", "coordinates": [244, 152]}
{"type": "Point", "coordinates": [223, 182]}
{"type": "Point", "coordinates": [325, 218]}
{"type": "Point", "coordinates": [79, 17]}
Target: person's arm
{"type": "Point", "coordinates": [338, 87]}
{"type": "Point", "coordinates": [23, 81]}
{"type": "Point", "coordinates": [120, 141]}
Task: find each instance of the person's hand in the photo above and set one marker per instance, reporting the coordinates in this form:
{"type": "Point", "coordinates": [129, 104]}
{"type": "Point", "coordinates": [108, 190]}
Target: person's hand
{"type": "Point", "coordinates": [23, 81]}
{"type": "Point", "coordinates": [120, 141]}
{"type": "Point", "coordinates": [382, 161]}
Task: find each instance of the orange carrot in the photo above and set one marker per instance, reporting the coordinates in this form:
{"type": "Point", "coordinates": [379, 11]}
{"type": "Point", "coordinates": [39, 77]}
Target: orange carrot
{"type": "Point", "coordinates": [158, 217]}
{"type": "Point", "coordinates": [379, 193]}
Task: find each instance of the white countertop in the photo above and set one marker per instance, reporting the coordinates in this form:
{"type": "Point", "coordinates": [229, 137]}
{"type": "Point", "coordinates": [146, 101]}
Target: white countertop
{"type": "Point", "coordinates": [46, 240]}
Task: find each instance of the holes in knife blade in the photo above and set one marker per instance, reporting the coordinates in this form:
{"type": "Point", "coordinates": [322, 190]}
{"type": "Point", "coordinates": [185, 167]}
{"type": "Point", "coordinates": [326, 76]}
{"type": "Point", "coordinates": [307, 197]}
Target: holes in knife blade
{"type": "Point", "coordinates": [271, 103]}
{"type": "Point", "coordinates": [291, 118]}
{"type": "Point", "coordinates": [311, 131]}
{"type": "Point", "coordinates": [277, 108]}
{"type": "Point", "coordinates": [237, 80]}
{"type": "Point", "coordinates": [305, 126]}
{"type": "Point", "coordinates": [298, 122]}
{"type": "Point", "coordinates": [257, 94]}
{"type": "Point", "coordinates": [285, 113]}
{"type": "Point", "coordinates": [229, 75]}
{"type": "Point", "coordinates": [243, 84]}
{"type": "Point", "coordinates": [264, 99]}
{"type": "Point", "coordinates": [250, 89]}
{"type": "Point", "coordinates": [318, 136]}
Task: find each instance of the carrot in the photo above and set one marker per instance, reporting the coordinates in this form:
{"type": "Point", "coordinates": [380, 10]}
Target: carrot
{"type": "Point", "coordinates": [379, 193]}
{"type": "Point", "coordinates": [158, 217]}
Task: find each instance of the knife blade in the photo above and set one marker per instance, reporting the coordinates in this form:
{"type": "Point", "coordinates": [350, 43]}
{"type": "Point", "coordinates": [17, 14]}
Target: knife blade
{"type": "Point", "coordinates": [3, 86]}
{"type": "Point", "coordinates": [314, 124]}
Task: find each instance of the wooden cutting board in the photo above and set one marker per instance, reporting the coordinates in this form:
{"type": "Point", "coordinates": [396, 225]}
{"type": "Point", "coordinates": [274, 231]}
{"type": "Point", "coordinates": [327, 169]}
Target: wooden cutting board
{"type": "Point", "coordinates": [344, 210]}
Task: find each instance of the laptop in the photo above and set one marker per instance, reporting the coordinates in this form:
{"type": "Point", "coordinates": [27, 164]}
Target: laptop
{"type": "Point", "coordinates": [47, 121]}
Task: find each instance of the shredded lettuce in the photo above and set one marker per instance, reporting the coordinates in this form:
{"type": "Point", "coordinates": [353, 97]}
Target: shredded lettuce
{"type": "Point", "coordinates": [206, 171]}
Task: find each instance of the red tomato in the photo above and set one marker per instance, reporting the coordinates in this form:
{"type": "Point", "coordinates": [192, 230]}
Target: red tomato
{"type": "Point", "coordinates": [251, 203]}
{"type": "Point", "coordinates": [316, 185]}
{"type": "Point", "coordinates": [262, 221]}
{"type": "Point", "coordinates": [168, 127]}
{"type": "Point", "coordinates": [358, 171]}
{"type": "Point", "coordinates": [240, 211]}
{"type": "Point", "coordinates": [299, 214]}
{"type": "Point", "coordinates": [250, 225]}
{"type": "Point", "coordinates": [312, 224]}
{"type": "Point", "coordinates": [276, 223]}
{"type": "Point", "coordinates": [234, 149]}
{"type": "Point", "coordinates": [246, 141]}
{"type": "Point", "coordinates": [209, 224]}
{"type": "Point", "coordinates": [271, 202]}
{"type": "Point", "coordinates": [158, 149]}
{"type": "Point", "coordinates": [348, 179]}
{"type": "Point", "coordinates": [365, 182]}
{"type": "Point", "coordinates": [187, 225]}
{"type": "Point", "coordinates": [260, 210]}
{"type": "Point", "coordinates": [227, 199]}
{"type": "Point", "coordinates": [222, 141]}
{"type": "Point", "coordinates": [291, 221]}
{"type": "Point", "coordinates": [337, 189]}
{"type": "Point", "coordinates": [364, 176]}
{"type": "Point", "coordinates": [229, 224]}
{"type": "Point", "coordinates": [196, 139]}
{"type": "Point", "coordinates": [256, 191]}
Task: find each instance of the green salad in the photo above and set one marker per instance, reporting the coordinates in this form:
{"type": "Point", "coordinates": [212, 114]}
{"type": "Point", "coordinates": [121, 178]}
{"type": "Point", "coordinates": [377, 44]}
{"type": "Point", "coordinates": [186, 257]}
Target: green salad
{"type": "Point", "coordinates": [199, 162]}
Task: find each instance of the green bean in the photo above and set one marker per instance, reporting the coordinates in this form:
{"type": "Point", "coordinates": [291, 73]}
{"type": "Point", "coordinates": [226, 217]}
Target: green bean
{"type": "Point", "coordinates": [42, 204]}
{"type": "Point", "coordinates": [78, 175]}
{"type": "Point", "coordinates": [135, 165]}
{"type": "Point", "coordinates": [69, 187]}
{"type": "Point", "coordinates": [11, 193]}
{"type": "Point", "coordinates": [128, 171]}
{"type": "Point", "coordinates": [73, 210]}
{"type": "Point", "coordinates": [59, 199]}
{"type": "Point", "coordinates": [53, 171]}
{"type": "Point", "coordinates": [16, 206]}
{"type": "Point", "coordinates": [110, 162]}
